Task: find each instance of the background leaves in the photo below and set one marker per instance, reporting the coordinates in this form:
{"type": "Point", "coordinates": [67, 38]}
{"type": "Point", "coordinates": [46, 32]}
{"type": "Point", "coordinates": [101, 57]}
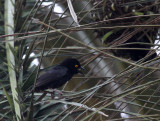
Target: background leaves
{"type": "Point", "coordinates": [115, 42]}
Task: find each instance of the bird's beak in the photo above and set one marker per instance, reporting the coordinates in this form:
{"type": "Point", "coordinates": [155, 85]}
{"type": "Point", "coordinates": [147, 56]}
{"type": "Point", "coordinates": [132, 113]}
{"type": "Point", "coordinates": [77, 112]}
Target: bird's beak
{"type": "Point", "coordinates": [80, 70]}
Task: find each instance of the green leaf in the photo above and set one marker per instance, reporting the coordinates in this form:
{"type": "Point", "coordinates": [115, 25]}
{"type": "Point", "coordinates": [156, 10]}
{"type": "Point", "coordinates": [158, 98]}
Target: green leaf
{"type": "Point", "coordinates": [107, 35]}
{"type": "Point", "coordinates": [29, 78]}
{"type": "Point", "coordinates": [14, 53]}
{"type": "Point", "coordinates": [138, 13]}
{"type": "Point", "coordinates": [48, 109]}
{"type": "Point", "coordinates": [9, 98]}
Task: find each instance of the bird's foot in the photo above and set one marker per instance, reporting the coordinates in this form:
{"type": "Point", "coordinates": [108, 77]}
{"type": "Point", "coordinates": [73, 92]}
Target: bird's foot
{"type": "Point", "coordinates": [56, 94]}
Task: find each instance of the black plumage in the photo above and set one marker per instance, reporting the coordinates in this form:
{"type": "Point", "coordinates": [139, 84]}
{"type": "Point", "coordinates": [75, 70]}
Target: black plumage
{"type": "Point", "coordinates": [58, 75]}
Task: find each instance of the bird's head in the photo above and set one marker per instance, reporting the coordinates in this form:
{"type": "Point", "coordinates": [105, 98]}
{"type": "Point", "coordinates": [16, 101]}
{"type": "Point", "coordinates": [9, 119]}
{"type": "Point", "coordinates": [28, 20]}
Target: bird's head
{"type": "Point", "coordinates": [73, 65]}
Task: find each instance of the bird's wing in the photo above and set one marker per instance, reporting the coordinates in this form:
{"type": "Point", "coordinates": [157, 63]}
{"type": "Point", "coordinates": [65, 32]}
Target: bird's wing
{"type": "Point", "coordinates": [51, 75]}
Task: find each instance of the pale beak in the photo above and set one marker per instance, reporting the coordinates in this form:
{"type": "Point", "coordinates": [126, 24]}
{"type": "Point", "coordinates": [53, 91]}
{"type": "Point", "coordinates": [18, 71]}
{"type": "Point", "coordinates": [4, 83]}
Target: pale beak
{"type": "Point", "coordinates": [80, 70]}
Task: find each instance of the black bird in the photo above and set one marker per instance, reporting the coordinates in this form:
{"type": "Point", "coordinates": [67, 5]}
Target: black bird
{"type": "Point", "coordinates": [58, 75]}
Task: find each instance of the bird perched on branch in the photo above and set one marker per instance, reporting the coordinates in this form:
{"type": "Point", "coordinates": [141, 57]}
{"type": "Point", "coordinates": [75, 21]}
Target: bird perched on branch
{"type": "Point", "coordinates": [58, 75]}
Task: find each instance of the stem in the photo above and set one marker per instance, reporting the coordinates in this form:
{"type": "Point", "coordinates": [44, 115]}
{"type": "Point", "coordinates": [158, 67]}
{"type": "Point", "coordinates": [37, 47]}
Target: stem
{"type": "Point", "coordinates": [9, 29]}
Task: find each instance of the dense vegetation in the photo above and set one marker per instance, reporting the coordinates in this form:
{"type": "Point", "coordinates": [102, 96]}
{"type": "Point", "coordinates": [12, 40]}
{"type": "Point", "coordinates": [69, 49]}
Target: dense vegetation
{"type": "Point", "coordinates": [115, 40]}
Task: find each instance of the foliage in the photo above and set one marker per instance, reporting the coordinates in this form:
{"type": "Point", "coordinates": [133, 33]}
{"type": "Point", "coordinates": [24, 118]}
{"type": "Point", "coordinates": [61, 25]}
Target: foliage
{"type": "Point", "coordinates": [122, 72]}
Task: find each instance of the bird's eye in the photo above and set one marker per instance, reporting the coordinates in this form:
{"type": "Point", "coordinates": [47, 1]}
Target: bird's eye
{"type": "Point", "coordinates": [76, 66]}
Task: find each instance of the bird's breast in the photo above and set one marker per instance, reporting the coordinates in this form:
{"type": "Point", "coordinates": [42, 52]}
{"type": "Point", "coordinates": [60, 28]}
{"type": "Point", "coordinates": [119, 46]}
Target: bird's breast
{"type": "Point", "coordinates": [63, 80]}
